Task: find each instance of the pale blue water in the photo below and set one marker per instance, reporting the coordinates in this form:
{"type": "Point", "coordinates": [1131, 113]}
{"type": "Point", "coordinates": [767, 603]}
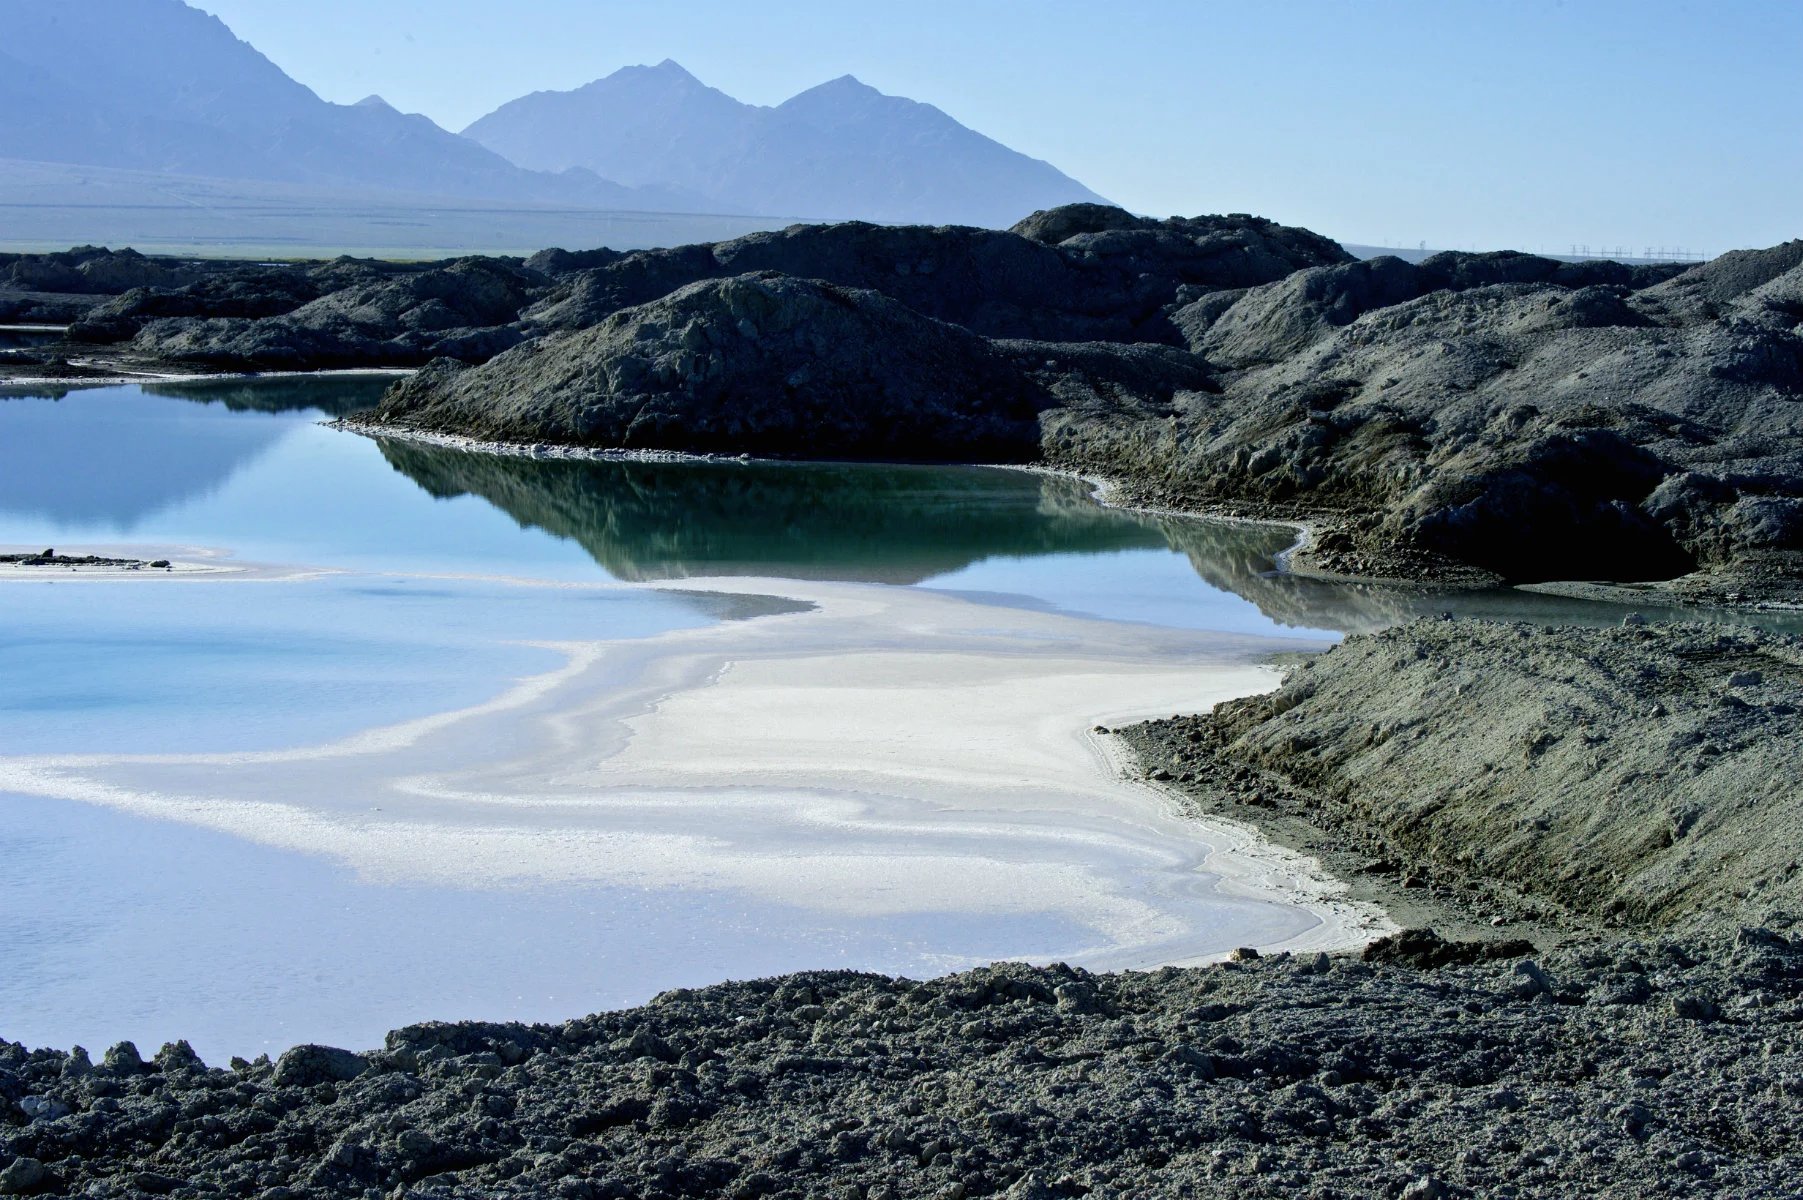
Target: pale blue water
{"type": "Point", "coordinates": [128, 667]}
{"type": "Point", "coordinates": [114, 926]}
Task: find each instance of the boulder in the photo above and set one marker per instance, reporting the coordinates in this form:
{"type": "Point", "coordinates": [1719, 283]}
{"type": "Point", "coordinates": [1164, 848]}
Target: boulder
{"type": "Point", "coordinates": [304, 1066]}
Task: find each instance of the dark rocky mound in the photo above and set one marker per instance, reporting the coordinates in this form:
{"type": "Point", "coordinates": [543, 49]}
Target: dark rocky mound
{"type": "Point", "coordinates": [762, 364]}
{"type": "Point", "coordinates": [465, 311]}
{"type": "Point", "coordinates": [1645, 775]}
{"type": "Point", "coordinates": [1108, 276]}
{"type": "Point", "coordinates": [253, 290]}
{"type": "Point", "coordinates": [557, 261]}
{"type": "Point", "coordinates": [266, 292]}
{"type": "Point", "coordinates": [90, 271]}
{"type": "Point", "coordinates": [1642, 1069]}
{"type": "Point", "coordinates": [55, 289]}
{"type": "Point", "coordinates": [1461, 413]}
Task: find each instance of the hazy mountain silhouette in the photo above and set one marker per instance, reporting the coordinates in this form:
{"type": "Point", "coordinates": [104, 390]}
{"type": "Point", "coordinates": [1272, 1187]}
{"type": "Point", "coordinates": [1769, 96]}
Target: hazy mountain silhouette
{"type": "Point", "coordinates": [156, 85]}
{"type": "Point", "coordinates": [842, 149]}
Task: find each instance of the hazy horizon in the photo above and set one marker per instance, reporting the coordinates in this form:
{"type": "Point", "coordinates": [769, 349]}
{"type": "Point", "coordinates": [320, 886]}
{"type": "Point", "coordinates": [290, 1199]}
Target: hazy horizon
{"type": "Point", "coordinates": [1543, 124]}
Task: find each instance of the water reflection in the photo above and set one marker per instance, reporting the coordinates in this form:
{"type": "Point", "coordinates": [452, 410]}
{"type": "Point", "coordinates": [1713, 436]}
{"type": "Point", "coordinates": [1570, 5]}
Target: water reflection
{"type": "Point", "coordinates": [110, 459]}
{"type": "Point", "coordinates": [333, 396]}
{"type": "Point", "coordinates": [154, 461]}
{"type": "Point", "coordinates": [912, 524]}
{"type": "Point", "coordinates": [25, 337]}
{"type": "Point", "coordinates": [850, 522]}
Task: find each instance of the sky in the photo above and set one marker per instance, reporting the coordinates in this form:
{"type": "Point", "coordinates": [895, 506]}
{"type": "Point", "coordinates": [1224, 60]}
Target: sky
{"type": "Point", "coordinates": [1531, 124]}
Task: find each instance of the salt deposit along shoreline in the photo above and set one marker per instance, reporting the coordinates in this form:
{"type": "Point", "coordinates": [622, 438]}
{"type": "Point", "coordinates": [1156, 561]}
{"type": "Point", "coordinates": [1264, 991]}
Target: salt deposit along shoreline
{"type": "Point", "coordinates": [889, 751]}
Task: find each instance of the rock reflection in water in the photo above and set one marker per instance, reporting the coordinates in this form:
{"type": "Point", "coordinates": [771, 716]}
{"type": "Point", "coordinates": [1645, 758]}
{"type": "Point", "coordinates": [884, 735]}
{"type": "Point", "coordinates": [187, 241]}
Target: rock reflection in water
{"type": "Point", "coordinates": [826, 521]}
{"type": "Point", "coordinates": [909, 524]}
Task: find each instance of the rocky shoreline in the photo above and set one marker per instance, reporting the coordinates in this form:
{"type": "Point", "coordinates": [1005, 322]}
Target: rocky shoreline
{"type": "Point", "coordinates": [1618, 1010]}
{"type": "Point", "coordinates": [1468, 420]}
{"type": "Point", "coordinates": [1655, 1067]}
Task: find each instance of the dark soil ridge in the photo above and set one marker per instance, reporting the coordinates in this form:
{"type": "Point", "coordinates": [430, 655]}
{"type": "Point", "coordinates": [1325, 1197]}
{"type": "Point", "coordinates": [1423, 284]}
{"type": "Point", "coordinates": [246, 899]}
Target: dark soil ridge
{"type": "Point", "coordinates": [1639, 1068]}
{"type": "Point", "coordinates": [1644, 777]}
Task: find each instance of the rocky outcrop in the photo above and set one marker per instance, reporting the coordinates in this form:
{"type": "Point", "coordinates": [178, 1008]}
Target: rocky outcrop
{"type": "Point", "coordinates": [90, 270]}
{"type": "Point", "coordinates": [1659, 1068]}
{"type": "Point", "coordinates": [1644, 776]}
{"type": "Point", "coordinates": [1102, 278]}
{"type": "Point", "coordinates": [1529, 430]}
{"type": "Point", "coordinates": [463, 311]}
{"type": "Point", "coordinates": [251, 290]}
{"type": "Point", "coordinates": [62, 287]}
{"type": "Point", "coordinates": [267, 292]}
{"type": "Point", "coordinates": [760, 364]}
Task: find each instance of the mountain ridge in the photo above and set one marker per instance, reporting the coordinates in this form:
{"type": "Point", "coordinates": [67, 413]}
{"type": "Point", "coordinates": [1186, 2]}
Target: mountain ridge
{"type": "Point", "coordinates": [82, 80]}
{"type": "Point", "coordinates": [163, 87]}
{"type": "Point", "coordinates": [839, 150]}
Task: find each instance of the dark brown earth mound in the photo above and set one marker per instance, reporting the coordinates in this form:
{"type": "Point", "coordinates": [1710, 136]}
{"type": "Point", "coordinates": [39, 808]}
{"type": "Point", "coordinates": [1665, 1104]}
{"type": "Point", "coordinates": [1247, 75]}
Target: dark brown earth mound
{"type": "Point", "coordinates": [761, 364]}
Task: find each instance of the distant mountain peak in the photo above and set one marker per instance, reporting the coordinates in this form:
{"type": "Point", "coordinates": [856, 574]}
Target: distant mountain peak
{"type": "Point", "coordinates": [157, 85]}
{"type": "Point", "coordinates": [840, 149]}
{"type": "Point", "coordinates": [374, 101]}
{"type": "Point", "coordinates": [668, 72]}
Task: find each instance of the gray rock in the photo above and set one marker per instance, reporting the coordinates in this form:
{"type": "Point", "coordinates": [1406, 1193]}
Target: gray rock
{"type": "Point", "coordinates": [24, 1176]}
{"type": "Point", "coordinates": [304, 1066]}
{"type": "Point", "coordinates": [43, 1108]}
{"type": "Point", "coordinates": [1531, 980]}
{"type": "Point", "coordinates": [122, 1059]}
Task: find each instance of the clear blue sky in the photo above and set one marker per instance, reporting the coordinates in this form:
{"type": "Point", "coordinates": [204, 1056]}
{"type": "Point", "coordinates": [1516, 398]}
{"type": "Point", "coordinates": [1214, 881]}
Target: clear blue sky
{"type": "Point", "coordinates": [1525, 123]}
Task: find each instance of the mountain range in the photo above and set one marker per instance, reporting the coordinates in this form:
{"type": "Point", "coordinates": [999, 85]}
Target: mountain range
{"type": "Point", "coordinates": [159, 86]}
{"type": "Point", "coordinates": [842, 149]}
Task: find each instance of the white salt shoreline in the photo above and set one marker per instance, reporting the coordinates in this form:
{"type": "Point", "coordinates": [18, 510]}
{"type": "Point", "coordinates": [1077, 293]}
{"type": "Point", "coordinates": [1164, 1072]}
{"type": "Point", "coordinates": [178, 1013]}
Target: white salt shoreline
{"type": "Point", "coordinates": [894, 751]}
